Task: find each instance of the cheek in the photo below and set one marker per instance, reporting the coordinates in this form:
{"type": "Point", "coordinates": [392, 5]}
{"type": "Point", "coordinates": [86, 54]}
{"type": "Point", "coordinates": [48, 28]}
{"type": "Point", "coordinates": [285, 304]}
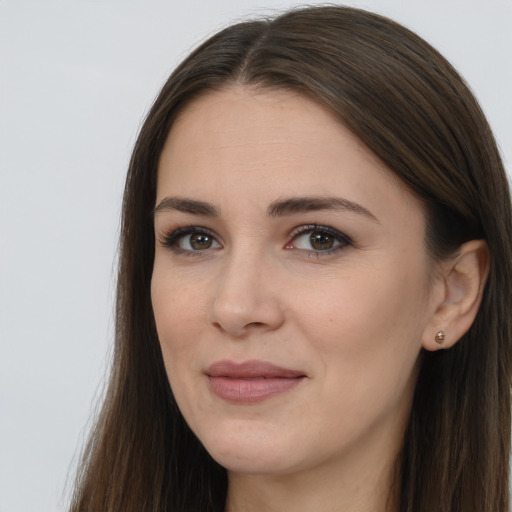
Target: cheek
{"type": "Point", "coordinates": [367, 331]}
{"type": "Point", "coordinates": [176, 309]}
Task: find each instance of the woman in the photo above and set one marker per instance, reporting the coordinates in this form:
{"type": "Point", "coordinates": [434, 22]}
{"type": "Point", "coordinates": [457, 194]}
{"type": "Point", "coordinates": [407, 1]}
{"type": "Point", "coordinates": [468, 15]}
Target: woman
{"type": "Point", "coordinates": [314, 287]}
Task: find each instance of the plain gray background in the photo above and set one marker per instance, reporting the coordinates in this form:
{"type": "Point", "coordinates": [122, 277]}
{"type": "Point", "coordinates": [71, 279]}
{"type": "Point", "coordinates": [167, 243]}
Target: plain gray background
{"type": "Point", "coordinates": [76, 77]}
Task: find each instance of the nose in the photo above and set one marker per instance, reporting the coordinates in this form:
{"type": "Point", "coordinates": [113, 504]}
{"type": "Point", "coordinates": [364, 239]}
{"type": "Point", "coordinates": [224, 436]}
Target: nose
{"type": "Point", "coordinates": [246, 298]}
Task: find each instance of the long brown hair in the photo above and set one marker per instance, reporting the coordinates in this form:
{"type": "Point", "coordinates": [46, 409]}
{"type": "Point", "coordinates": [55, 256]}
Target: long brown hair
{"type": "Point", "coordinates": [413, 110]}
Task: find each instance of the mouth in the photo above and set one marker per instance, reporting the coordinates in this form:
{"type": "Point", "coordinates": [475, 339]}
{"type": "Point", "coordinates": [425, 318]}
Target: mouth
{"type": "Point", "coordinates": [251, 381]}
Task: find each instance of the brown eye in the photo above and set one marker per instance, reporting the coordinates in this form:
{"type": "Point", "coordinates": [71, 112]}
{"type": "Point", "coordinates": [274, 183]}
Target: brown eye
{"type": "Point", "coordinates": [190, 240]}
{"type": "Point", "coordinates": [200, 241]}
{"type": "Point", "coordinates": [321, 241]}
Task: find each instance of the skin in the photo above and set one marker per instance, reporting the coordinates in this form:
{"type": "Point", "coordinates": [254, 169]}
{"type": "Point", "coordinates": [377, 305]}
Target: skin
{"type": "Point", "coordinates": [352, 320]}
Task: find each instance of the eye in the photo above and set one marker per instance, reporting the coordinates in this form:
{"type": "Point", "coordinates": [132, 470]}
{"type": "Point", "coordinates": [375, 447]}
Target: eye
{"type": "Point", "coordinates": [190, 239]}
{"type": "Point", "coordinates": [197, 242]}
{"type": "Point", "coordinates": [318, 239]}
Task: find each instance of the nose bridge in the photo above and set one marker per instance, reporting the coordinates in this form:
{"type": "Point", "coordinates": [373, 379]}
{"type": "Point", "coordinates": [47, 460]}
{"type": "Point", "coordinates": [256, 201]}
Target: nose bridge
{"type": "Point", "coordinates": [245, 298]}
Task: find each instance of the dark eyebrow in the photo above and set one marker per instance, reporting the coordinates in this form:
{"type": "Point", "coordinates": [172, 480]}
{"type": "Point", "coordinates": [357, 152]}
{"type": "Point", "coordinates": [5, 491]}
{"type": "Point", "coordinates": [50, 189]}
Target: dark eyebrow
{"type": "Point", "coordinates": [186, 206]}
{"type": "Point", "coordinates": [311, 204]}
{"type": "Point", "coordinates": [278, 208]}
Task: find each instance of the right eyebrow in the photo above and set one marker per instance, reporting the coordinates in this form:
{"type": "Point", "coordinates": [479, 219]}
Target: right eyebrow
{"type": "Point", "coordinates": [186, 206]}
{"type": "Point", "coordinates": [295, 205]}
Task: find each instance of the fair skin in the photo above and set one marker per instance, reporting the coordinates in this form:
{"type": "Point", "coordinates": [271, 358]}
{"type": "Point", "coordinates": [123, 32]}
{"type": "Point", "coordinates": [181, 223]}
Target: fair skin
{"type": "Point", "coordinates": [339, 292]}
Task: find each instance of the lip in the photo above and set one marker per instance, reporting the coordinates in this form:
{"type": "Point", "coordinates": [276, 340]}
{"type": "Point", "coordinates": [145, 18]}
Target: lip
{"type": "Point", "coordinates": [251, 381]}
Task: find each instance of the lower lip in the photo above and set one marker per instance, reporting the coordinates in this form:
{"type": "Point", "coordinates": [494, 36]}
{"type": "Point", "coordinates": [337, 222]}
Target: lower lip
{"type": "Point", "coordinates": [246, 391]}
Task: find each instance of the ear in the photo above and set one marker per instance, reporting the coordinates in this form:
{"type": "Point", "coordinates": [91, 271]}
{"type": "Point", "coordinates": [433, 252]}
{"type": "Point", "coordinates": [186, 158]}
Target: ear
{"type": "Point", "coordinates": [461, 288]}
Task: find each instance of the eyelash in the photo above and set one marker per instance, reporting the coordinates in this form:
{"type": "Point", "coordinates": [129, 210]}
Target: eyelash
{"type": "Point", "coordinates": [173, 239]}
{"type": "Point", "coordinates": [339, 237]}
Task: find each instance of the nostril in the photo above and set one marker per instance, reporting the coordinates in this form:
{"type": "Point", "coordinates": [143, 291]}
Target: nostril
{"type": "Point", "coordinates": [244, 329]}
{"type": "Point", "coordinates": [251, 324]}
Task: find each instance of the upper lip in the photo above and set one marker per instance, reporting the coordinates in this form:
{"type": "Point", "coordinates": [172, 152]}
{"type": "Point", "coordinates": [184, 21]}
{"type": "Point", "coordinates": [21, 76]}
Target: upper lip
{"type": "Point", "coordinates": [251, 369]}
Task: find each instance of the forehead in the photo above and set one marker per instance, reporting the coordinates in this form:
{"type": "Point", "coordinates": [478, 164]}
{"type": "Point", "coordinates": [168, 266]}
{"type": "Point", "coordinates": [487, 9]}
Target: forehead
{"type": "Point", "coordinates": [242, 114]}
{"type": "Point", "coordinates": [263, 145]}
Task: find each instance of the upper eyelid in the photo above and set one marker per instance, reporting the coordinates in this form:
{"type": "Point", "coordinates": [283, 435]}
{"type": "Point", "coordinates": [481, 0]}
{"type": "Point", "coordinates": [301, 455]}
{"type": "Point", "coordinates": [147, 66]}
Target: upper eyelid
{"type": "Point", "coordinates": [169, 238]}
{"type": "Point", "coordinates": [308, 228]}
{"type": "Point", "coordinates": [179, 232]}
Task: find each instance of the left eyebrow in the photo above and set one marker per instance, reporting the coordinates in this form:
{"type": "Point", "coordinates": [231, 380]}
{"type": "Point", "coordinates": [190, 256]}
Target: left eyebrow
{"type": "Point", "coordinates": [185, 205]}
{"type": "Point", "coordinates": [294, 205]}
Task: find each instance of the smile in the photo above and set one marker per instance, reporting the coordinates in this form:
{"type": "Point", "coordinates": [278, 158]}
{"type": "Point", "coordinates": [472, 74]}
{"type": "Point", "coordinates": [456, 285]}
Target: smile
{"type": "Point", "coordinates": [252, 381]}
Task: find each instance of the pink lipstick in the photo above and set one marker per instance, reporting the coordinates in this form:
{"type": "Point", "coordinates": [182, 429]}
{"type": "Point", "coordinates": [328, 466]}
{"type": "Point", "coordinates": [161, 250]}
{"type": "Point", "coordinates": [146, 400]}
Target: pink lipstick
{"type": "Point", "coordinates": [251, 381]}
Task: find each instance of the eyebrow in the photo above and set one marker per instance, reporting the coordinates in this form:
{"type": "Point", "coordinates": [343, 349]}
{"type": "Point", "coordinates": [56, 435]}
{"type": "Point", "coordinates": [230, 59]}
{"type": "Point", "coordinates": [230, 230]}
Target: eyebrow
{"type": "Point", "coordinates": [312, 204]}
{"type": "Point", "coordinates": [186, 206]}
{"type": "Point", "coordinates": [279, 208]}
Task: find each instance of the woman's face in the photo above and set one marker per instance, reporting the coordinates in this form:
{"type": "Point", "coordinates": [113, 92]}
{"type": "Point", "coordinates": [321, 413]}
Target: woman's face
{"type": "Point", "coordinates": [291, 286]}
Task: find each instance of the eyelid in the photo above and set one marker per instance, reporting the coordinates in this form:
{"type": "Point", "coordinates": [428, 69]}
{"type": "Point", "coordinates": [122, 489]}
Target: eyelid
{"type": "Point", "coordinates": [170, 240]}
{"type": "Point", "coordinates": [311, 228]}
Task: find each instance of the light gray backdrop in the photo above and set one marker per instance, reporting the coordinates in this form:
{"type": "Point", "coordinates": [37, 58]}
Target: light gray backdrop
{"type": "Point", "coordinates": [76, 77]}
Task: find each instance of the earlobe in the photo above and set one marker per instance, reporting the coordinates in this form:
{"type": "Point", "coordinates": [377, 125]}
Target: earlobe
{"type": "Point", "coordinates": [463, 281]}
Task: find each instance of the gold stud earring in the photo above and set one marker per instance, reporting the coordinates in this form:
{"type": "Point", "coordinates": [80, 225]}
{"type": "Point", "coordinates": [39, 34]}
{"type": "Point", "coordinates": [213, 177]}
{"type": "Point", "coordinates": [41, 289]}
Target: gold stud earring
{"type": "Point", "coordinates": [440, 337]}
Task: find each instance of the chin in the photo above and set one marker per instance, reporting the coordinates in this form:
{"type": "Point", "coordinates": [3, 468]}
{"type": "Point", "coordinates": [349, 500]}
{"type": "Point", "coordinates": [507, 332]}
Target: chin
{"type": "Point", "coordinates": [251, 452]}
{"type": "Point", "coordinates": [253, 463]}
